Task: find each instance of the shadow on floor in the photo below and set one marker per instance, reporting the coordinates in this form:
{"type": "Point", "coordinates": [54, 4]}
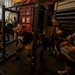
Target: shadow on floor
{"type": "Point", "coordinates": [21, 66]}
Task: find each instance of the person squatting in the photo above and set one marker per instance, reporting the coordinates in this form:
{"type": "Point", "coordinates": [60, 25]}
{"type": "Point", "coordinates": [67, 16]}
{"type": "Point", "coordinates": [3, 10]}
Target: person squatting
{"type": "Point", "coordinates": [25, 39]}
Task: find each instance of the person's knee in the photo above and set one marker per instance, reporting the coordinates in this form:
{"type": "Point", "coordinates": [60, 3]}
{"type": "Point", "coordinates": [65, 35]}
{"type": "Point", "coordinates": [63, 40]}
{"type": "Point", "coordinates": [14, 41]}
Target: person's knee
{"type": "Point", "coordinates": [28, 53]}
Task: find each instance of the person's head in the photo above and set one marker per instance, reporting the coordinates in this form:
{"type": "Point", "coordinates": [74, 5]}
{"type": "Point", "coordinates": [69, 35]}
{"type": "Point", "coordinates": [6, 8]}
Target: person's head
{"type": "Point", "coordinates": [19, 29]}
{"type": "Point", "coordinates": [55, 22]}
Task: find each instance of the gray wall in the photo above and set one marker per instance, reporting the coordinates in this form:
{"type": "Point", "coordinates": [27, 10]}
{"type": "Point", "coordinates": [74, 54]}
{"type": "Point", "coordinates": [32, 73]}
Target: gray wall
{"type": "Point", "coordinates": [0, 11]}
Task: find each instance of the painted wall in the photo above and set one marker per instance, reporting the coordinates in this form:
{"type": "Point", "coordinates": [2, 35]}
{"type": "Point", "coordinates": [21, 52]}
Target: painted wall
{"type": "Point", "coordinates": [65, 4]}
{"type": "Point", "coordinates": [0, 11]}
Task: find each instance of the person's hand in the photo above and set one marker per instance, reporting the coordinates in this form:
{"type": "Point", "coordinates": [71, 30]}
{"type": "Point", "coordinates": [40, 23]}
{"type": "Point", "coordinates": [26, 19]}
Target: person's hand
{"type": "Point", "coordinates": [15, 29]}
{"type": "Point", "coordinates": [62, 44]}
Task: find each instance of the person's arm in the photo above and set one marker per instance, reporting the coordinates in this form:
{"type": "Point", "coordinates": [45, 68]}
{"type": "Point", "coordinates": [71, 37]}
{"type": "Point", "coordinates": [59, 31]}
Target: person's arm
{"type": "Point", "coordinates": [68, 39]}
{"type": "Point", "coordinates": [21, 45]}
{"type": "Point", "coordinates": [70, 48]}
{"type": "Point", "coordinates": [58, 31]}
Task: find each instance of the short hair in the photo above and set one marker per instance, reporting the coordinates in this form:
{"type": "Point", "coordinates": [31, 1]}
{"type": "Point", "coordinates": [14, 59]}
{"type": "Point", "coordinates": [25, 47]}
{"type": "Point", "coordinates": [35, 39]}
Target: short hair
{"type": "Point", "coordinates": [22, 25]}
